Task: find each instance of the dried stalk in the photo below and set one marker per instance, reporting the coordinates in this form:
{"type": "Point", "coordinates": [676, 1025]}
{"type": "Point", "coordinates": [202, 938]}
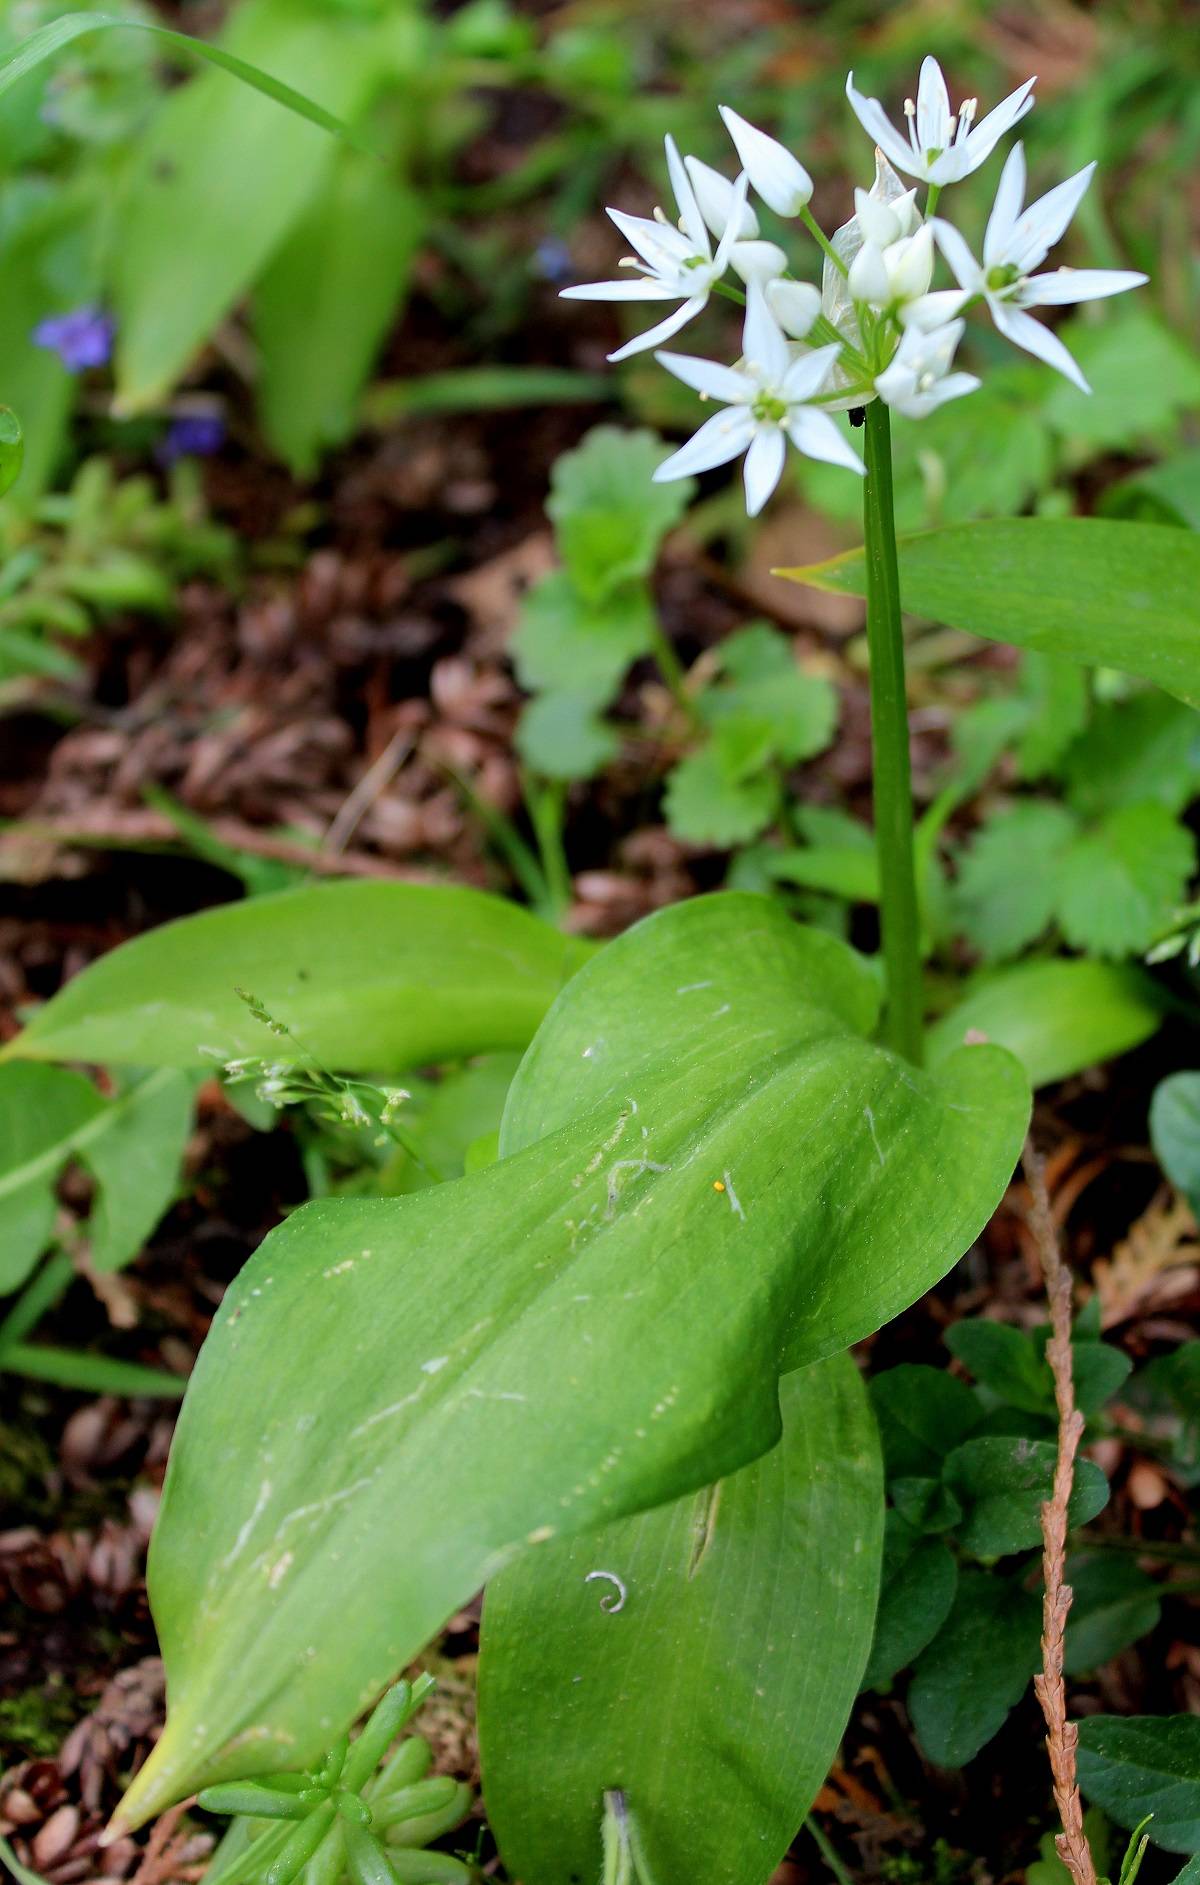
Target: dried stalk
{"type": "Point", "coordinates": [1062, 1736]}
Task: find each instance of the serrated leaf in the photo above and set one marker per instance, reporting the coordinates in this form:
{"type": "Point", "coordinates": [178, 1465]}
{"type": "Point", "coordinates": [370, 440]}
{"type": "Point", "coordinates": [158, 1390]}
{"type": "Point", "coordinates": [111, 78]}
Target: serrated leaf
{"type": "Point", "coordinates": [563, 737]}
{"type": "Point", "coordinates": [1054, 694]}
{"type": "Point", "coordinates": [609, 515]}
{"type": "Point", "coordinates": [1119, 887]}
{"type": "Point", "coordinates": [976, 1668]}
{"type": "Point", "coordinates": [748, 1603]}
{"type": "Point", "coordinates": [1139, 1764]}
{"type": "Point", "coordinates": [916, 1593]}
{"type": "Point", "coordinates": [1139, 751]}
{"type": "Point", "coordinates": [371, 977]}
{"type": "Point", "coordinates": [1114, 1604]}
{"type": "Point", "coordinates": [1107, 594]}
{"type": "Point", "coordinates": [705, 804]}
{"type": "Point", "coordinates": [564, 644]}
{"type": "Point", "coordinates": [1007, 887]}
{"type": "Point", "coordinates": [620, 1347]}
{"type": "Point", "coordinates": [780, 710]}
{"type": "Point", "coordinates": [1004, 1481]}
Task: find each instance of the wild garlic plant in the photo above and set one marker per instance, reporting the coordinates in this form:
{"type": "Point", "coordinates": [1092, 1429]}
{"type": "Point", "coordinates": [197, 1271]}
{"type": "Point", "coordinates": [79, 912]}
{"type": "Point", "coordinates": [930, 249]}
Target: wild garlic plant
{"type": "Point", "coordinates": [875, 336]}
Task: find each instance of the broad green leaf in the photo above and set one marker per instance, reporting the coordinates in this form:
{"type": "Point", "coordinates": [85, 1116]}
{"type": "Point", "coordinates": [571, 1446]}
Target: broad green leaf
{"type": "Point", "coordinates": [608, 514]}
{"type": "Point", "coordinates": [564, 644]}
{"type": "Point", "coordinates": [920, 1577]}
{"type": "Point", "coordinates": [1120, 885]}
{"type": "Point", "coordinates": [1008, 882]}
{"type": "Point", "coordinates": [222, 181]}
{"type": "Point", "coordinates": [923, 1413]}
{"type": "Point", "coordinates": [493, 388]}
{"type": "Point", "coordinates": [1056, 1016]}
{"type": "Point", "coordinates": [1139, 1764]}
{"type": "Point", "coordinates": [976, 1668]}
{"type": "Point", "coordinates": [746, 1186]}
{"type": "Point", "coordinates": [563, 737]}
{"type": "Point", "coordinates": [326, 300]}
{"type": "Point", "coordinates": [1114, 1603]}
{"type": "Point", "coordinates": [369, 976]}
{"type": "Point", "coordinates": [1175, 1130]}
{"type": "Point", "coordinates": [1107, 594]}
{"type": "Point", "coordinates": [1004, 1483]}
{"type": "Point", "coordinates": [132, 1146]}
{"type": "Point", "coordinates": [747, 1613]}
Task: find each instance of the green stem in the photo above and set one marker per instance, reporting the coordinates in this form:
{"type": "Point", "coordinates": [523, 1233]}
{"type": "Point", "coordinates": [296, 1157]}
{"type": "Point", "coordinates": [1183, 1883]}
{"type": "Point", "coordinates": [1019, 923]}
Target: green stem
{"type": "Point", "coordinates": [828, 1851]}
{"type": "Point", "coordinates": [815, 230]}
{"type": "Point", "coordinates": [889, 738]}
{"type": "Point", "coordinates": [40, 1294]}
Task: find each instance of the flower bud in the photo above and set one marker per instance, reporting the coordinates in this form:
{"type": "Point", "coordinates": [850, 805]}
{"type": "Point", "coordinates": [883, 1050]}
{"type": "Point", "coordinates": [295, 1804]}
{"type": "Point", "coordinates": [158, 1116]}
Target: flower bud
{"type": "Point", "coordinates": [715, 196]}
{"type": "Point", "coordinates": [758, 261]}
{"type": "Point", "coordinates": [780, 179]}
{"type": "Point", "coordinates": [795, 305]}
{"type": "Point", "coordinates": [868, 278]}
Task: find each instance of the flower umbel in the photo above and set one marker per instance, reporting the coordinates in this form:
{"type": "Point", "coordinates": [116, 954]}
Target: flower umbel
{"type": "Point", "coordinates": [877, 327]}
{"type": "Point", "coordinates": [765, 406]}
{"type": "Point", "coordinates": [676, 263]}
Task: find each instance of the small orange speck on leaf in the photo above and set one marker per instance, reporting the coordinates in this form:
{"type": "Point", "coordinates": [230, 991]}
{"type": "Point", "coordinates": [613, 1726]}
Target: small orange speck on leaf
{"type": "Point", "coordinates": [718, 1185]}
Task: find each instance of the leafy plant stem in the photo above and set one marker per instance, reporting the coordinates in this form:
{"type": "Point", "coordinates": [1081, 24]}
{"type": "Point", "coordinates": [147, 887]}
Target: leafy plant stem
{"type": "Point", "coordinates": [546, 799]}
{"type": "Point", "coordinates": [899, 916]}
{"type": "Point", "coordinates": [828, 1852]}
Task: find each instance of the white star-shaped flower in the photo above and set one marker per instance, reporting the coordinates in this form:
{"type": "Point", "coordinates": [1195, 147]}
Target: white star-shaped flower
{"type": "Point", "coordinates": [764, 406]}
{"type": "Point", "coordinates": [676, 264]}
{"type": "Point", "coordinates": [1015, 242]}
{"type": "Point", "coordinates": [917, 379]}
{"type": "Point", "coordinates": [941, 146]}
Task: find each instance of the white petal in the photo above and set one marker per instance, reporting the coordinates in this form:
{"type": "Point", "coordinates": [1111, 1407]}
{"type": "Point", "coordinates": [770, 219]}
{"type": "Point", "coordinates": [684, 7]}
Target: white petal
{"type": "Point", "coordinates": [780, 179]}
{"type": "Point", "coordinates": [868, 277]}
{"type": "Point", "coordinates": [933, 310]}
{"type": "Point", "coordinates": [965, 268]}
{"type": "Point", "coordinates": [630, 288]}
{"type": "Point", "coordinates": [679, 317]}
{"type": "Point", "coordinates": [1063, 286]}
{"type": "Point", "coordinates": [725, 245]}
{"type": "Point", "coordinates": [933, 108]}
{"type": "Point", "coordinates": [878, 221]}
{"type": "Point", "coordinates": [763, 468]}
{"type": "Point", "coordinates": [876, 123]}
{"type": "Point", "coordinates": [808, 373]}
{"type": "Point", "coordinates": [1010, 194]}
{"type": "Point", "coordinates": [724, 436]}
{"type": "Point", "coordinates": [1045, 221]}
{"type": "Point", "coordinates": [815, 434]}
{"type": "Point", "coordinates": [685, 196]}
{"type": "Point", "coordinates": [758, 261]}
{"type": "Point", "coordinates": [763, 344]}
{"type": "Point", "coordinates": [982, 141]}
{"type": "Point", "coordinates": [709, 377]}
{"type": "Point", "coordinates": [715, 193]}
{"type": "Point", "coordinates": [1025, 332]}
{"type": "Point", "coordinates": [663, 248]}
{"type": "Point", "coordinates": [795, 305]}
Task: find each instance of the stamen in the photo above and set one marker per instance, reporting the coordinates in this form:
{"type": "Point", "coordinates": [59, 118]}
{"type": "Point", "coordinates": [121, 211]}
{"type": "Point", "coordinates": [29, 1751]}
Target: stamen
{"type": "Point", "coordinates": [660, 215]}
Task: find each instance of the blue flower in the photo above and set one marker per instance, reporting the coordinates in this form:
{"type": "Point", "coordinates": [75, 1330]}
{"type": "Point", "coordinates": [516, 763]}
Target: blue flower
{"type": "Point", "coordinates": [193, 435]}
{"type": "Point", "coordinates": [81, 339]}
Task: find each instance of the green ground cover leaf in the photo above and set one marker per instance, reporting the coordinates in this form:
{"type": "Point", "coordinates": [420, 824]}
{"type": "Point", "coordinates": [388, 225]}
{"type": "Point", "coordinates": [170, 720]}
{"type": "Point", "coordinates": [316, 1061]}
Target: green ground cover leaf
{"type": "Point", "coordinates": [715, 1694]}
{"type": "Point", "coordinates": [920, 1577]}
{"type": "Point", "coordinates": [1008, 883]}
{"type": "Point", "coordinates": [1137, 1764]}
{"type": "Point", "coordinates": [1003, 1481]}
{"type": "Point", "coordinates": [372, 977]}
{"type": "Point", "coordinates": [1114, 1604]}
{"type": "Point", "coordinates": [609, 517]}
{"type": "Point", "coordinates": [976, 1668]}
{"type": "Point", "coordinates": [1108, 594]}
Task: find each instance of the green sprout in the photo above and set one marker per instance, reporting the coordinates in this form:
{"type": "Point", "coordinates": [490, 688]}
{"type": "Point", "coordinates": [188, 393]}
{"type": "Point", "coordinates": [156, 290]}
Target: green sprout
{"type": "Point", "coordinates": [342, 1823]}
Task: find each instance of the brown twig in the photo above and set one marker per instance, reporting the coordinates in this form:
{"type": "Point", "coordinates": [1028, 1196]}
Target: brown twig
{"type": "Point", "coordinates": [1062, 1736]}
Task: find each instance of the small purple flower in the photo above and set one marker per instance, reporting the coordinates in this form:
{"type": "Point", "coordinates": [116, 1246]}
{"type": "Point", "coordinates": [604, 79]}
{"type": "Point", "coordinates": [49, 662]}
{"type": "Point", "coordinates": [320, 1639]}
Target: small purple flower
{"type": "Point", "coordinates": [81, 339]}
{"type": "Point", "coordinates": [193, 435]}
{"type": "Point", "coordinates": [552, 261]}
